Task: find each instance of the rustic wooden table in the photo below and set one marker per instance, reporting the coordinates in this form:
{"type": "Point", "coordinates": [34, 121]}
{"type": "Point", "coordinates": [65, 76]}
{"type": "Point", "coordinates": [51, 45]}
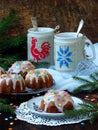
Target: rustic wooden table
{"type": "Point", "coordinates": [10, 122]}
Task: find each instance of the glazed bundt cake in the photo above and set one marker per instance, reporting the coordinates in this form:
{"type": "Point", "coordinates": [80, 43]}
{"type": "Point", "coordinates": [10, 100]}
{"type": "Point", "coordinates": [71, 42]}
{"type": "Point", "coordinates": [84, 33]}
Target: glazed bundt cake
{"type": "Point", "coordinates": [11, 83]}
{"type": "Point", "coordinates": [39, 78]}
{"type": "Point", "coordinates": [56, 101]}
{"type": "Point", "coordinates": [21, 67]}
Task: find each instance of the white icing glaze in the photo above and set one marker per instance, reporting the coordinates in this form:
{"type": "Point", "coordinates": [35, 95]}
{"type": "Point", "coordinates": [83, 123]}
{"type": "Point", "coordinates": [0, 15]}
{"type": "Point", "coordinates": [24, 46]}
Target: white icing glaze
{"type": "Point", "coordinates": [23, 66]}
{"type": "Point", "coordinates": [35, 74]}
{"type": "Point", "coordinates": [59, 97]}
{"type": "Point", "coordinates": [14, 78]}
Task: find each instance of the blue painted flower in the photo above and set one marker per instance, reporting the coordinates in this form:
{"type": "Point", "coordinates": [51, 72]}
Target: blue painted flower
{"type": "Point", "coordinates": [64, 57]}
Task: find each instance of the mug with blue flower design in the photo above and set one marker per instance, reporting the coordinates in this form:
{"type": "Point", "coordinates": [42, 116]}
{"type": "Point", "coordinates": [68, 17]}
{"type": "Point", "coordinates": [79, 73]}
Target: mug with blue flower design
{"type": "Point", "coordinates": [69, 50]}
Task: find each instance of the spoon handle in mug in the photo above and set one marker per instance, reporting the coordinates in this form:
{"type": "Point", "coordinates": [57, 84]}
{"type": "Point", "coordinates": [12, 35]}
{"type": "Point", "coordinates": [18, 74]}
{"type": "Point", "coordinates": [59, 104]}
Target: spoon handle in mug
{"type": "Point", "coordinates": [81, 23]}
{"type": "Point", "coordinates": [34, 23]}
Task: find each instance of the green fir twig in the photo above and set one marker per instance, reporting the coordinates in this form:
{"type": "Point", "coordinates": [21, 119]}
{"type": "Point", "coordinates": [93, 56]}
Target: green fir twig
{"type": "Point", "coordinates": [12, 43]}
{"type": "Point", "coordinates": [81, 79]}
{"type": "Point", "coordinates": [40, 64]}
{"type": "Point", "coordinates": [89, 85]}
{"type": "Point", "coordinates": [12, 48]}
{"type": "Point", "coordinates": [87, 110]}
{"type": "Point", "coordinates": [8, 22]}
{"type": "Point", "coordinates": [3, 100]}
{"type": "Point", "coordinates": [6, 107]}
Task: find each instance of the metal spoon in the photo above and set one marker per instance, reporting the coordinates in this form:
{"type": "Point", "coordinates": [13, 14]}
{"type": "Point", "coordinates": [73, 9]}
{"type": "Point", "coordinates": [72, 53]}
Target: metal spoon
{"type": "Point", "coordinates": [79, 27]}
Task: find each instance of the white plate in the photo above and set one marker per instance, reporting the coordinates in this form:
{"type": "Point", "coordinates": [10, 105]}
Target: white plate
{"type": "Point", "coordinates": [33, 105]}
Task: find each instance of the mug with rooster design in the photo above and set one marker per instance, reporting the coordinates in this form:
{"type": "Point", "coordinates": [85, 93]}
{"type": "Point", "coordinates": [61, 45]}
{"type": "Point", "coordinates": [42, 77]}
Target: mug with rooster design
{"type": "Point", "coordinates": [70, 50]}
{"type": "Point", "coordinates": [40, 45]}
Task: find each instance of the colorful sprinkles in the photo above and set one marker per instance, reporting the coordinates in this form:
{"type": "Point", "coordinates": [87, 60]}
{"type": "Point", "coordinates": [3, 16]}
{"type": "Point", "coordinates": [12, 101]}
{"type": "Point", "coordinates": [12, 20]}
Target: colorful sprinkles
{"type": "Point", "coordinates": [10, 129]}
{"type": "Point", "coordinates": [37, 72]}
{"type": "Point", "coordinates": [90, 98]}
{"type": "Point", "coordinates": [59, 97]}
{"type": "Point", "coordinates": [10, 119]}
{"type": "Point", "coordinates": [21, 66]}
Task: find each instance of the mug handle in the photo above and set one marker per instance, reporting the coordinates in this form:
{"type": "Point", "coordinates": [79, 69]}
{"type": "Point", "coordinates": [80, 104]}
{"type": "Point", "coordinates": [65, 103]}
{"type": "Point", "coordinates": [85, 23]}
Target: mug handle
{"type": "Point", "coordinates": [89, 43]}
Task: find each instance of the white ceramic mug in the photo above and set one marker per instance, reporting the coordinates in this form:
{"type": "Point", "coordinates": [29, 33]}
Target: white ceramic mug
{"type": "Point", "coordinates": [69, 50]}
{"type": "Point", "coordinates": [40, 44]}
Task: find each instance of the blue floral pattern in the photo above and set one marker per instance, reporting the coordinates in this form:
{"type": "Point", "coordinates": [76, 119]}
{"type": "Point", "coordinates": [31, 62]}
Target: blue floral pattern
{"type": "Point", "coordinates": [64, 56]}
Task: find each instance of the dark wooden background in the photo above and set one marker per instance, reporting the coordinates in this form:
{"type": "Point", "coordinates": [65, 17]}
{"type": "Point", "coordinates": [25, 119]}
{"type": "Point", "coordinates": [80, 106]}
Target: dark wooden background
{"type": "Point", "coordinates": [66, 13]}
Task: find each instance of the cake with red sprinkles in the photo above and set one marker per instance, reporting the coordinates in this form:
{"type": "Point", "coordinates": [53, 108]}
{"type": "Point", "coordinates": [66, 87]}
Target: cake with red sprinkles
{"type": "Point", "coordinates": [56, 101]}
{"type": "Point", "coordinates": [39, 78]}
{"type": "Point", "coordinates": [11, 83]}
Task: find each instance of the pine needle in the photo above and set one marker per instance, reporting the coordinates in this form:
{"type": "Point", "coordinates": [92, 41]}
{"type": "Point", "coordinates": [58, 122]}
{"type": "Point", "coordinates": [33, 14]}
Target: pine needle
{"type": "Point", "coordinates": [89, 85]}
{"type": "Point", "coordinates": [3, 100]}
{"type": "Point", "coordinates": [12, 48]}
{"type": "Point", "coordinates": [7, 22]}
{"type": "Point", "coordinates": [87, 110]}
{"type": "Point", "coordinates": [12, 42]}
{"type": "Point", "coordinates": [7, 108]}
{"type": "Point", "coordinates": [81, 79]}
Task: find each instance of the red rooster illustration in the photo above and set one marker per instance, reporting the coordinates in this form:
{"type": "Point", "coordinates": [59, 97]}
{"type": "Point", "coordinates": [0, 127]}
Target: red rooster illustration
{"type": "Point", "coordinates": [39, 55]}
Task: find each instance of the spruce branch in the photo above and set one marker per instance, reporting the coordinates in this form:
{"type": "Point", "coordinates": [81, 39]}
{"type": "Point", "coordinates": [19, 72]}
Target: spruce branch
{"type": "Point", "coordinates": [96, 74]}
{"type": "Point", "coordinates": [40, 64]}
{"type": "Point", "coordinates": [81, 79]}
{"type": "Point", "coordinates": [12, 48]}
{"type": "Point", "coordinates": [6, 107]}
{"type": "Point", "coordinates": [89, 85]}
{"type": "Point", "coordinates": [87, 110]}
{"type": "Point", "coordinates": [6, 62]}
{"type": "Point", "coordinates": [12, 43]}
{"type": "Point", "coordinates": [9, 21]}
{"type": "Point", "coordinates": [94, 78]}
{"type": "Point", "coordinates": [3, 100]}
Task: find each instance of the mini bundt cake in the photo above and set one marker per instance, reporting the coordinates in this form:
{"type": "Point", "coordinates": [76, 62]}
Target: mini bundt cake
{"type": "Point", "coordinates": [56, 101]}
{"type": "Point", "coordinates": [39, 78]}
{"type": "Point", "coordinates": [2, 71]}
{"type": "Point", "coordinates": [21, 67]}
{"type": "Point", "coordinates": [11, 83]}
